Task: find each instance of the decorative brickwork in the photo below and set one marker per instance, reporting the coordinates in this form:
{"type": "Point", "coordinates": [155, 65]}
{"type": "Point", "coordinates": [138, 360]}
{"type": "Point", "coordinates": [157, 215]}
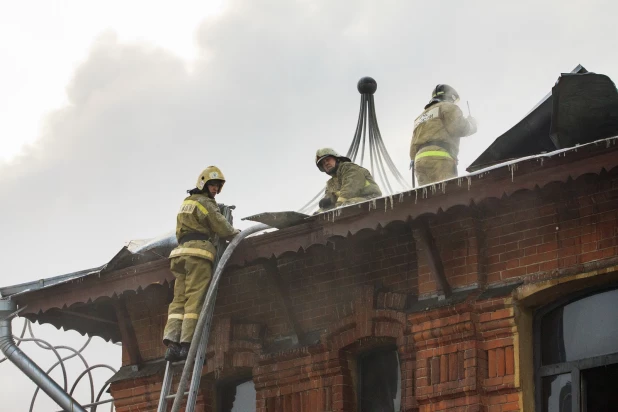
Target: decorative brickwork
{"type": "Point", "coordinates": [373, 290]}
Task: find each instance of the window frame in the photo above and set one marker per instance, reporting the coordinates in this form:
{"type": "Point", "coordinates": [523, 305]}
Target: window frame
{"type": "Point", "coordinates": [576, 367]}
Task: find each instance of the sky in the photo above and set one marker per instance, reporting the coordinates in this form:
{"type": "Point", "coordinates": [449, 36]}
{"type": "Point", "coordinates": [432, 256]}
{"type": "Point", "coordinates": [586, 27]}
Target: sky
{"type": "Point", "coordinates": [109, 110]}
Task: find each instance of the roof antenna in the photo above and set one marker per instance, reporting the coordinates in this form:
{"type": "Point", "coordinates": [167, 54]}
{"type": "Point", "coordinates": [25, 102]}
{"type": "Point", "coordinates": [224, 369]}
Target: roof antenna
{"type": "Point", "coordinates": [367, 135]}
{"type": "Point", "coordinates": [367, 131]}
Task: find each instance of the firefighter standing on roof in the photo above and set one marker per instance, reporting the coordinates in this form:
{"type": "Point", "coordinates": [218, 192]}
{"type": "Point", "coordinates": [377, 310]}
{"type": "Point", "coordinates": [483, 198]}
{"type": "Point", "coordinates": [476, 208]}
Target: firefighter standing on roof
{"type": "Point", "coordinates": [349, 182]}
{"type": "Point", "coordinates": [198, 221]}
{"type": "Point", "coordinates": [435, 140]}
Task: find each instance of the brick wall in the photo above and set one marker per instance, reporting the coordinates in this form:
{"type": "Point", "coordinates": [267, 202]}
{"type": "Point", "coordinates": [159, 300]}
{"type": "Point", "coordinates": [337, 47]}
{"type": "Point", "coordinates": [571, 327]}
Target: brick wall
{"type": "Point", "coordinates": [359, 293]}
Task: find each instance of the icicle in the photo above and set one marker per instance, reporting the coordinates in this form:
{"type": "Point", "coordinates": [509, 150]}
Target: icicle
{"type": "Point", "coordinates": [469, 182]}
{"type": "Point", "coordinates": [415, 196]}
{"type": "Point", "coordinates": [433, 189]}
{"type": "Point", "coordinates": [443, 186]}
{"type": "Point", "coordinates": [542, 159]}
{"type": "Point", "coordinates": [607, 144]}
{"type": "Point", "coordinates": [424, 192]}
{"type": "Point", "coordinates": [374, 204]}
{"type": "Point", "coordinates": [512, 168]}
{"type": "Point", "coordinates": [459, 182]}
{"type": "Point", "coordinates": [392, 202]}
{"type": "Point", "coordinates": [400, 197]}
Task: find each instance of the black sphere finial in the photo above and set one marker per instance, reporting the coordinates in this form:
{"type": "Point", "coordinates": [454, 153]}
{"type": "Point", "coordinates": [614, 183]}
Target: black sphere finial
{"type": "Point", "coordinates": [367, 85]}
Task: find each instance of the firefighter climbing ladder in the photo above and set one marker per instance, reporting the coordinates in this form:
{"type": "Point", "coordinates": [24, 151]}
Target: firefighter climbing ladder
{"type": "Point", "coordinates": [192, 367]}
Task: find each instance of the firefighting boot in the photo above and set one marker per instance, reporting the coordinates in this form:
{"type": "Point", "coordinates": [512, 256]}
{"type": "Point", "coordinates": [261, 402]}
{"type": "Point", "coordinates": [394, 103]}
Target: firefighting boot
{"type": "Point", "coordinates": [172, 353]}
{"type": "Point", "coordinates": [184, 350]}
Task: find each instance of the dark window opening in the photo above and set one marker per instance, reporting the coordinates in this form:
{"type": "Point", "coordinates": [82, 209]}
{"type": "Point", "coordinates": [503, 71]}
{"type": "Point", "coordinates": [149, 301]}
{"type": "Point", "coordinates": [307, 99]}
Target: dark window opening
{"type": "Point", "coordinates": [600, 389]}
{"type": "Point", "coordinates": [237, 396]}
{"type": "Point", "coordinates": [576, 354]}
{"type": "Point", "coordinates": [379, 381]}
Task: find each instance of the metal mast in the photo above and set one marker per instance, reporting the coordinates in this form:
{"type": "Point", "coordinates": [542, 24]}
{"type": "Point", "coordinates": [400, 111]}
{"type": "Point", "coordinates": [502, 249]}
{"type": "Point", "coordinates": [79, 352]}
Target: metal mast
{"type": "Point", "coordinates": [367, 135]}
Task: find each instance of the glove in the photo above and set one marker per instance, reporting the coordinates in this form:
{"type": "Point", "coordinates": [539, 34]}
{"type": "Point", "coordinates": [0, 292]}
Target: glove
{"type": "Point", "coordinates": [232, 236]}
{"type": "Point", "coordinates": [325, 203]}
{"type": "Point", "coordinates": [411, 164]}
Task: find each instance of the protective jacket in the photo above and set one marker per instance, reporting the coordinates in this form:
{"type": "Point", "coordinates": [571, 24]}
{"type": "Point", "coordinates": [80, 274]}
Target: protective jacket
{"type": "Point", "coordinates": [199, 214]}
{"type": "Point", "coordinates": [351, 184]}
{"type": "Point", "coordinates": [435, 141]}
{"type": "Point", "coordinates": [442, 124]}
{"type": "Point", "coordinates": [197, 223]}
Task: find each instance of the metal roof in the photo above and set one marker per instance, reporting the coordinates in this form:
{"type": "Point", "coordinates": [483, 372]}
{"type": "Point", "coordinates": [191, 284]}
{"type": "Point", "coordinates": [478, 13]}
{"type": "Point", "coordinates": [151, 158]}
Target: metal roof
{"type": "Point", "coordinates": [134, 253]}
{"type": "Point", "coordinates": [83, 301]}
{"type": "Point", "coordinates": [139, 252]}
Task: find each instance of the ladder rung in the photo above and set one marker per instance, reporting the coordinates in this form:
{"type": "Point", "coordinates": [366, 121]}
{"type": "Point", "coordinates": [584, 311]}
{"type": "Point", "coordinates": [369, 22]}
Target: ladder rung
{"type": "Point", "coordinates": [174, 395]}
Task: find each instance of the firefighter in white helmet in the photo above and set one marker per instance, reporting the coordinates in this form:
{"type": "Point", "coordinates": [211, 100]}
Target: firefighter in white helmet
{"type": "Point", "coordinates": [349, 182]}
{"type": "Point", "coordinates": [435, 140]}
{"type": "Point", "coordinates": [197, 222]}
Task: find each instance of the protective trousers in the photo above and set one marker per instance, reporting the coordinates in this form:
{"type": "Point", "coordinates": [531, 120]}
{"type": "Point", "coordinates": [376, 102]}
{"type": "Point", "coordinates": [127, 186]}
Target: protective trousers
{"type": "Point", "coordinates": [434, 169]}
{"type": "Point", "coordinates": [193, 276]}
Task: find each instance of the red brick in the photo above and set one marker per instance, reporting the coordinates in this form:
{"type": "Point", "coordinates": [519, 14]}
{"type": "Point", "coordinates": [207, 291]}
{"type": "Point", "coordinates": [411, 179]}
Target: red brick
{"type": "Point", "coordinates": [510, 360]}
{"type": "Point", "coordinates": [453, 367]}
{"type": "Point", "coordinates": [435, 370]}
{"type": "Point", "coordinates": [588, 257]}
{"type": "Point", "coordinates": [443, 368]}
{"type": "Point", "coordinates": [512, 397]}
{"type": "Point", "coordinates": [492, 369]}
{"type": "Point", "coordinates": [501, 314]}
{"type": "Point", "coordinates": [510, 407]}
{"type": "Point", "coordinates": [500, 363]}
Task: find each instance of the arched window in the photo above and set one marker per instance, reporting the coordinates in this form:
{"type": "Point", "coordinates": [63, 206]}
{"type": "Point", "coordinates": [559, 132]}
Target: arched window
{"type": "Point", "coordinates": [576, 354]}
{"type": "Point", "coordinates": [379, 381]}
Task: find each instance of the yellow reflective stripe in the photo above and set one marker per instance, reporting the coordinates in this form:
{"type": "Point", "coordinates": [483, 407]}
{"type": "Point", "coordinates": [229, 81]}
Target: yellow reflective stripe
{"type": "Point", "coordinates": [192, 251]}
{"type": "Point", "coordinates": [175, 316]}
{"type": "Point", "coordinates": [433, 153]}
{"type": "Point", "coordinates": [191, 315]}
{"type": "Point", "coordinates": [196, 204]}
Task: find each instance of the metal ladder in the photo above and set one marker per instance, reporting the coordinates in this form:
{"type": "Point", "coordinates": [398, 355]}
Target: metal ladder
{"type": "Point", "coordinates": [197, 352]}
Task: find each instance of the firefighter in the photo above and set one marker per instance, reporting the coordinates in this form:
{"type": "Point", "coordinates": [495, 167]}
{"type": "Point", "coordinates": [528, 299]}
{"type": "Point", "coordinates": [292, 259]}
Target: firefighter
{"type": "Point", "coordinates": [197, 223]}
{"type": "Point", "coordinates": [349, 182]}
{"type": "Point", "coordinates": [435, 140]}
